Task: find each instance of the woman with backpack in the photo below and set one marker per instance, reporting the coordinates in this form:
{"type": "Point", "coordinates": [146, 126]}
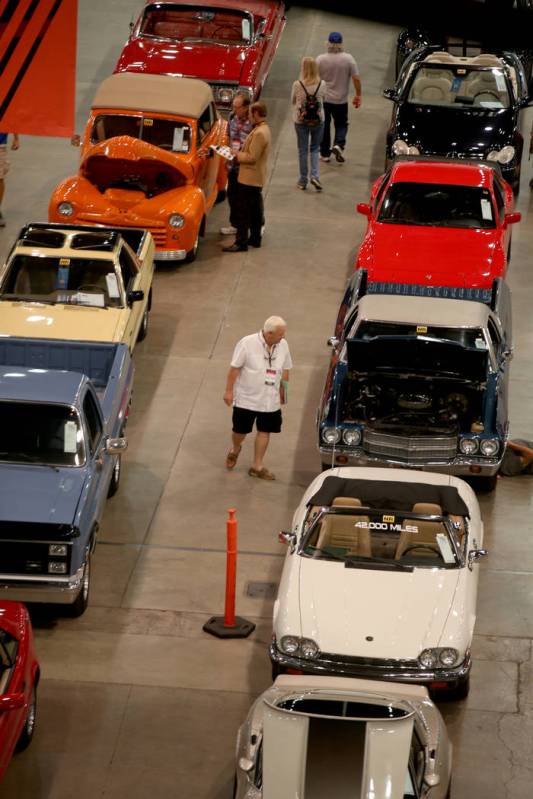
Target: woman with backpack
{"type": "Point", "coordinates": [308, 113]}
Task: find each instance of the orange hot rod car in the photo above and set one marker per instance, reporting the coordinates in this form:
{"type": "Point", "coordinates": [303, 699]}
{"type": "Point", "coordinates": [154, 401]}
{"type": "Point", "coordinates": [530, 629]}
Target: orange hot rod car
{"type": "Point", "coordinates": [147, 162]}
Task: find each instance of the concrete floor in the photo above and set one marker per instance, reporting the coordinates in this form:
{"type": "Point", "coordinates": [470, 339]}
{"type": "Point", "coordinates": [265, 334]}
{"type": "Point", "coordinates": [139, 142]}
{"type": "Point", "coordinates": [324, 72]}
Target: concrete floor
{"type": "Point", "coordinates": [135, 699]}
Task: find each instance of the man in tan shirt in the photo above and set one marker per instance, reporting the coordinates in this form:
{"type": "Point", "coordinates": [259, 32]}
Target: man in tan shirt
{"type": "Point", "coordinates": [252, 159]}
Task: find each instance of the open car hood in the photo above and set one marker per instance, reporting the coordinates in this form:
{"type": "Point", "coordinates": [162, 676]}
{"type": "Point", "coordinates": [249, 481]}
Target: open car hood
{"type": "Point", "coordinates": [416, 355]}
{"type": "Point", "coordinates": [129, 149]}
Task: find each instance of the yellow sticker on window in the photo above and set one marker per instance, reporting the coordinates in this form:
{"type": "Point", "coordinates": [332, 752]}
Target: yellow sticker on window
{"type": "Point", "coordinates": [421, 329]}
{"type": "Point", "coordinates": [389, 519]}
{"type": "Point", "coordinates": [148, 122]}
{"type": "Point", "coordinates": [64, 262]}
{"type": "Point", "coordinates": [461, 71]}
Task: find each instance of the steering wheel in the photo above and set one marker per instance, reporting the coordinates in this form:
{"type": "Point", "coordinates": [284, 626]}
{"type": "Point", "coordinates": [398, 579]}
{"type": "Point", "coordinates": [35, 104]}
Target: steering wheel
{"type": "Point", "coordinates": [226, 27]}
{"type": "Point", "coordinates": [489, 93]}
{"type": "Point", "coordinates": [91, 287]}
{"type": "Point", "coordinates": [422, 545]}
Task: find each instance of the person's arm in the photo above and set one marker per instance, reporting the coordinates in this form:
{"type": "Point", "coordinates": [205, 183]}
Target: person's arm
{"type": "Point", "coordinates": [357, 86]}
{"type": "Point", "coordinates": [282, 391]}
{"type": "Point", "coordinates": [294, 93]}
{"type": "Point", "coordinates": [254, 153]}
{"type": "Point", "coordinates": [525, 453]}
{"type": "Point", "coordinates": [15, 144]}
{"type": "Point", "coordinates": [230, 383]}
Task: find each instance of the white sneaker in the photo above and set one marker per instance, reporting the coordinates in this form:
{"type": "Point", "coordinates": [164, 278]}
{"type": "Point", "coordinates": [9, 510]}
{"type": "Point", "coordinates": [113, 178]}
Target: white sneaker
{"type": "Point", "coordinates": [228, 231]}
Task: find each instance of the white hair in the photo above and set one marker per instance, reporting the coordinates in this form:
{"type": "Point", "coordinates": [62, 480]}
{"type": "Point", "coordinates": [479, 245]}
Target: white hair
{"type": "Point", "coordinates": [273, 323]}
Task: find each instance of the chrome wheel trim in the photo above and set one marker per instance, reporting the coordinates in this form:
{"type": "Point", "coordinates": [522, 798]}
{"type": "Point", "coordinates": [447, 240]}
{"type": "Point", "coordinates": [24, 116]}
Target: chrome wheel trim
{"type": "Point", "coordinates": [116, 470]}
{"type": "Point", "coordinates": [30, 718]}
{"type": "Point", "coordinates": [86, 580]}
{"type": "Point", "coordinates": [144, 323]}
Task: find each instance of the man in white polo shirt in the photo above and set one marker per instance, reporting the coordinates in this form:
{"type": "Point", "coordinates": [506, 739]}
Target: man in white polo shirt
{"type": "Point", "coordinates": [257, 386]}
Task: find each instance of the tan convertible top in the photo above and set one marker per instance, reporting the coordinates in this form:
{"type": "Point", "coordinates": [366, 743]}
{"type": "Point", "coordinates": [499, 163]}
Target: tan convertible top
{"type": "Point", "coordinates": [161, 94]}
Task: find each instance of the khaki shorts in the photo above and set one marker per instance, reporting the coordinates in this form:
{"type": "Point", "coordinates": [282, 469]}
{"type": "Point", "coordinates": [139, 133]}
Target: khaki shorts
{"type": "Point", "coordinates": [4, 163]}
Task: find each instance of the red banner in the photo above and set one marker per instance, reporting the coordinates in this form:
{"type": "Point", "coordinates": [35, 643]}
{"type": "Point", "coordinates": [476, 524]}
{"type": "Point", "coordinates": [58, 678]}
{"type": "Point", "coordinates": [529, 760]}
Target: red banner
{"type": "Point", "coordinates": [37, 66]}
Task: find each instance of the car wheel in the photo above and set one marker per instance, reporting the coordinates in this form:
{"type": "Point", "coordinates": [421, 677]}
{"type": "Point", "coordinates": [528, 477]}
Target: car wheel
{"type": "Point", "coordinates": [191, 255]}
{"type": "Point", "coordinates": [458, 692]}
{"type": "Point", "coordinates": [276, 671]}
{"type": "Point", "coordinates": [509, 252]}
{"type": "Point", "coordinates": [29, 725]}
{"type": "Point", "coordinates": [234, 787]}
{"type": "Point", "coordinates": [485, 485]}
{"type": "Point", "coordinates": [143, 330]}
{"type": "Point", "coordinates": [115, 477]}
{"type": "Point", "coordinates": [221, 196]}
{"type": "Point", "coordinates": [79, 606]}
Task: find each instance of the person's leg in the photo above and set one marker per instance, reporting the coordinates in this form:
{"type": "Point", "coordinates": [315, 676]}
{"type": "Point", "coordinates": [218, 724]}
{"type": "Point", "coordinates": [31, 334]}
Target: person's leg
{"type": "Point", "coordinates": [241, 216]}
{"type": "Point", "coordinates": [260, 448]}
{"type": "Point", "coordinates": [316, 137]}
{"type": "Point", "coordinates": [325, 145]}
{"type": "Point", "coordinates": [302, 137]}
{"type": "Point", "coordinates": [231, 193]}
{"type": "Point", "coordinates": [266, 424]}
{"type": "Point", "coordinates": [340, 119]}
{"type": "Point", "coordinates": [256, 209]}
{"type": "Point", "coordinates": [242, 424]}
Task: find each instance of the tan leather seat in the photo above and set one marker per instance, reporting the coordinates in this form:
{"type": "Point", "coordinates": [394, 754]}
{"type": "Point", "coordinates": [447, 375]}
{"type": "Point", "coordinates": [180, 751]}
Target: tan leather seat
{"type": "Point", "coordinates": [483, 89]}
{"type": "Point", "coordinates": [427, 530]}
{"type": "Point", "coordinates": [37, 280]}
{"type": "Point", "coordinates": [440, 57]}
{"type": "Point", "coordinates": [340, 531]}
{"type": "Point", "coordinates": [432, 89]}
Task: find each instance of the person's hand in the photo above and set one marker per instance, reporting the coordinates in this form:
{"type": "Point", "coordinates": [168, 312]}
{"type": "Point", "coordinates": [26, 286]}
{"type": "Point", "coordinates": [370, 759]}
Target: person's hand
{"type": "Point", "coordinates": [356, 102]}
{"type": "Point", "coordinates": [228, 398]}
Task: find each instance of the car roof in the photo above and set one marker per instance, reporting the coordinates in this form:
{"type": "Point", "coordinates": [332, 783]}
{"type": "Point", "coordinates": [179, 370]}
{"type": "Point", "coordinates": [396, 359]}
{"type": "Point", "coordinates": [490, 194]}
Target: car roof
{"type": "Point", "coordinates": [423, 310]}
{"type": "Point", "coordinates": [161, 94]}
{"type": "Point", "coordinates": [39, 385]}
{"type": "Point", "coordinates": [423, 171]}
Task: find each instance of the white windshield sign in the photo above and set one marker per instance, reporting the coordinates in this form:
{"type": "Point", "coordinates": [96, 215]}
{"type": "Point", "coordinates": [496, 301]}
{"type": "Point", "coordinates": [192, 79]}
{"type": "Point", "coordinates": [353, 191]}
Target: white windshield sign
{"type": "Point", "coordinates": [84, 298]}
{"type": "Point", "coordinates": [70, 444]}
{"type": "Point", "coordinates": [445, 548]}
{"type": "Point", "coordinates": [112, 285]}
{"type": "Point", "coordinates": [177, 140]}
{"type": "Point", "coordinates": [486, 209]}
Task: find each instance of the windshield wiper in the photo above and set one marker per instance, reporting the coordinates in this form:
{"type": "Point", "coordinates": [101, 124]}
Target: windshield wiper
{"type": "Point", "coordinates": [324, 552]}
{"type": "Point", "coordinates": [382, 564]}
{"type": "Point", "coordinates": [23, 457]}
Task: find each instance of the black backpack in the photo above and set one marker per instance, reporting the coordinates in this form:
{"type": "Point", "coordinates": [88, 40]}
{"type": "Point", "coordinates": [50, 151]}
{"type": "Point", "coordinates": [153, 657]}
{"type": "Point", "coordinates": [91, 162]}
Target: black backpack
{"type": "Point", "coordinates": [310, 110]}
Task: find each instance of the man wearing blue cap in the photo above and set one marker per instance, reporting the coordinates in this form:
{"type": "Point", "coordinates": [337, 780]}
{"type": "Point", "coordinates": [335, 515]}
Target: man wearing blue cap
{"type": "Point", "coordinates": [338, 69]}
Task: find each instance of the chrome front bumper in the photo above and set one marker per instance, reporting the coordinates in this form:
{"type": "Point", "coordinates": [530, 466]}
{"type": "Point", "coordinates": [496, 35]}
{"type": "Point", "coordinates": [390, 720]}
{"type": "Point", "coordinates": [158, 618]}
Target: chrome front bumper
{"type": "Point", "coordinates": [170, 255]}
{"type": "Point", "coordinates": [460, 465]}
{"type": "Point", "coordinates": [384, 670]}
{"type": "Point", "coordinates": [55, 590]}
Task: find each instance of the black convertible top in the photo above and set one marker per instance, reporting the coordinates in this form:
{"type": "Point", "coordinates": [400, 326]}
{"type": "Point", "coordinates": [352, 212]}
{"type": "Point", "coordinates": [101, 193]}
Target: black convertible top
{"type": "Point", "coordinates": [389, 495]}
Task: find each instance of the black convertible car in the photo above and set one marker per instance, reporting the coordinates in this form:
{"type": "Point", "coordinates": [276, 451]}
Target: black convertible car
{"type": "Point", "coordinates": [460, 107]}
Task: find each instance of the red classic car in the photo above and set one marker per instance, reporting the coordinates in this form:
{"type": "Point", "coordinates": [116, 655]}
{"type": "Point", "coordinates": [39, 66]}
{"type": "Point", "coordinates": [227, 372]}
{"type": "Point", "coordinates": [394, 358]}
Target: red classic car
{"type": "Point", "coordinates": [228, 43]}
{"type": "Point", "coordinates": [19, 676]}
{"type": "Point", "coordinates": [440, 226]}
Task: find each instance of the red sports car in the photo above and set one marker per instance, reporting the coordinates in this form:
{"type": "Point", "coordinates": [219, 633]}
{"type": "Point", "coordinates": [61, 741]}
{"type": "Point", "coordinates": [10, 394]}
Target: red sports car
{"type": "Point", "coordinates": [442, 227]}
{"type": "Point", "coordinates": [19, 676]}
{"type": "Point", "coordinates": [228, 43]}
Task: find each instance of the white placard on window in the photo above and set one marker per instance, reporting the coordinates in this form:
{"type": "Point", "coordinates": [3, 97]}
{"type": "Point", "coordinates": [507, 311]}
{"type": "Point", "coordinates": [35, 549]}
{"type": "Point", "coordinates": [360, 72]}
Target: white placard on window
{"type": "Point", "coordinates": [177, 140]}
{"type": "Point", "coordinates": [486, 209]}
{"type": "Point", "coordinates": [84, 298]}
{"type": "Point", "coordinates": [480, 343]}
{"type": "Point", "coordinates": [246, 29]}
{"type": "Point", "coordinates": [500, 82]}
{"type": "Point", "coordinates": [112, 285]}
{"type": "Point", "coordinates": [70, 443]}
{"type": "Point", "coordinates": [445, 548]}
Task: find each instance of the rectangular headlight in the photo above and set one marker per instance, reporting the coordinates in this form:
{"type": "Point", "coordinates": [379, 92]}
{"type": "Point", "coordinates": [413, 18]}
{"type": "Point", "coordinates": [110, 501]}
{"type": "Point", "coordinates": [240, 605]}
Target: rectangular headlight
{"type": "Point", "coordinates": [57, 550]}
{"type": "Point", "coordinates": [56, 567]}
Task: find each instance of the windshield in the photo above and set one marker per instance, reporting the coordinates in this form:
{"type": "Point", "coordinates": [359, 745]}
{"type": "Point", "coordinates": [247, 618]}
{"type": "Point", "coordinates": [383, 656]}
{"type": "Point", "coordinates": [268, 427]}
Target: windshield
{"type": "Point", "coordinates": [75, 281]}
{"type": "Point", "coordinates": [41, 434]}
{"type": "Point", "coordinates": [371, 538]}
{"type": "Point", "coordinates": [197, 23]}
{"type": "Point", "coordinates": [459, 87]}
{"type": "Point", "coordinates": [470, 337]}
{"type": "Point", "coordinates": [437, 205]}
{"type": "Point", "coordinates": [169, 134]}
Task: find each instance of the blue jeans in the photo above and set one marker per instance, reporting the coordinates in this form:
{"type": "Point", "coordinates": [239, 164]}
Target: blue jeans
{"type": "Point", "coordinates": [338, 114]}
{"type": "Point", "coordinates": [308, 138]}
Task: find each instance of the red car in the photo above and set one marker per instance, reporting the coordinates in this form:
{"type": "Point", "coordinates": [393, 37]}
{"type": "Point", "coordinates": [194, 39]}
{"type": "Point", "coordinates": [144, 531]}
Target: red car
{"type": "Point", "coordinates": [228, 43]}
{"type": "Point", "coordinates": [19, 677]}
{"type": "Point", "coordinates": [437, 225]}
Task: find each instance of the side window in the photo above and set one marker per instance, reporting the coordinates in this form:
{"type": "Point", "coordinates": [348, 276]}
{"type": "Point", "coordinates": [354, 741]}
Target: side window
{"type": "Point", "coordinates": [350, 323]}
{"type": "Point", "coordinates": [258, 776]}
{"type": "Point", "coordinates": [494, 336]}
{"type": "Point", "coordinates": [8, 656]}
{"type": "Point", "coordinates": [204, 124]}
{"type": "Point", "coordinates": [500, 203]}
{"type": "Point", "coordinates": [94, 423]}
{"type": "Point", "coordinates": [381, 189]}
{"type": "Point", "coordinates": [128, 267]}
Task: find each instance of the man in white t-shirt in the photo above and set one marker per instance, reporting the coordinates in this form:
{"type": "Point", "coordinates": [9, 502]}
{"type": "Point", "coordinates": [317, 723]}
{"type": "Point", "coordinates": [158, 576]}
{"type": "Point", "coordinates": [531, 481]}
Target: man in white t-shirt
{"type": "Point", "coordinates": [256, 386]}
{"type": "Point", "coordinates": [338, 69]}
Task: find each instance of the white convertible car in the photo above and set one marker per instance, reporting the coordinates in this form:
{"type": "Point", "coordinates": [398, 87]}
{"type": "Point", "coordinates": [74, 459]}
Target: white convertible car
{"type": "Point", "coordinates": [380, 579]}
{"type": "Point", "coordinates": [344, 738]}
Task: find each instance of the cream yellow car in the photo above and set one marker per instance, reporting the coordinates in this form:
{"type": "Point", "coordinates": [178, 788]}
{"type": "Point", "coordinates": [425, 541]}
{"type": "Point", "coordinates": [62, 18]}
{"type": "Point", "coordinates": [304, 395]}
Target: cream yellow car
{"type": "Point", "coordinates": [79, 283]}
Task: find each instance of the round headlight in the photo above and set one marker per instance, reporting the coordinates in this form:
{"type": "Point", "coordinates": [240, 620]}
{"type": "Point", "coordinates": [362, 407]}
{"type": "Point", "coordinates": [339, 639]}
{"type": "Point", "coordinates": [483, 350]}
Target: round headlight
{"type": "Point", "coordinates": [65, 209]}
{"type": "Point", "coordinates": [468, 446]}
{"type": "Point", "coordinates": [289, 644]}
{"type": "Point", "coordinates": [308, 649]}
{"type": "Point", "coordinates": [331, 435]}
{"type": "Point", "coordinates": [428, 658]}
{"type": "Point", "coordinates": [506, 154]}
{"type": "Point", "coordinates": [400, 147]}
{"type": "Point", "coordinates": [225, 95]}
{"type": "Point", "coordinates": [489, 446]}
{"type": "Point", "coordinates": [448, 657]}
{"type": "Point", "coordinates": [176, 220]}
{"type": "Point", "coordinates": [352, 437]}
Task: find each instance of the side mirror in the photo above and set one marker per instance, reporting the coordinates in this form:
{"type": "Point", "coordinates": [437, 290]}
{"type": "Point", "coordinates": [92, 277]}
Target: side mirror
{"type": "Point", "coordinates": [12, 701]}
{"type": "Point", "coordinates": [75, 140]}
{"type": "Point", "coordinates": [333, 342]}
{"type": "Point", "coordinates": [114, 446]}
{"type": "Point", "coordinates": [135, 296]}
{"type": "Point", "coordinates": [390, 94]}
{"type": "Point", "coordinates": [287, 538]}
{"type": "Point", "coordinates": [507, 355]}
{"type": "Point", "coordinates": [474, 555]}
{"type": "Point", "coordinates": [364, 209]}
{"type": "Point", "coordinates": [245, 764]}
{"type": "Point", "coordinates": [511, 219]}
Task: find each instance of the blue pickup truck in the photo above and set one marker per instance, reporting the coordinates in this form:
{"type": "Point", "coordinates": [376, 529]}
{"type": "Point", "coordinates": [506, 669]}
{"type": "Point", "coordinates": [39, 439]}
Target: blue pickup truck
{"type": "Point", "coordinates": [63, 409]}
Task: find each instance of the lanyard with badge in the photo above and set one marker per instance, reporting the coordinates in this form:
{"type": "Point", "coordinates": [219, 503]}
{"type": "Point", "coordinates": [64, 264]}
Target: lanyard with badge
{"type": "Point", "coordinates": [270, 373]}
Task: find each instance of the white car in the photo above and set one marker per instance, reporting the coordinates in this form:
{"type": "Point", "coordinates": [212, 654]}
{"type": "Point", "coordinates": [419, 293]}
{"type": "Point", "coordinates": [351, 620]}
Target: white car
{"type": "Point", "coordinates": [380, 579]}
{"type": "Point", "coordinates": [345, 738]}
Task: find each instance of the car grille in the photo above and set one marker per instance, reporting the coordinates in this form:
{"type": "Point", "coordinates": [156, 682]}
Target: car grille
{"type": "Point", "coordinates": [379, 663]}
{"type": "Point", "coordinates": [28, 557]}
{"type": "Point", "coordinates": [410, 448]}
{"type": "Point", "coordinates": [159, 236]}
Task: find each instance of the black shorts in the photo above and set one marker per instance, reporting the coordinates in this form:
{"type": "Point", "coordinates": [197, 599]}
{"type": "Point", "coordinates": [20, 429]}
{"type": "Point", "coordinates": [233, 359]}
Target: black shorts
{"type": "Point", "coordinates": [244, 418]}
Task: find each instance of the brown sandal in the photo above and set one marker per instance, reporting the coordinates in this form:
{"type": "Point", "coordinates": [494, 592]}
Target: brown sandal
{"type": "Point", "coordinates": [231, 458]}
{"type": "Point", "coordinates": [262, 474]}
